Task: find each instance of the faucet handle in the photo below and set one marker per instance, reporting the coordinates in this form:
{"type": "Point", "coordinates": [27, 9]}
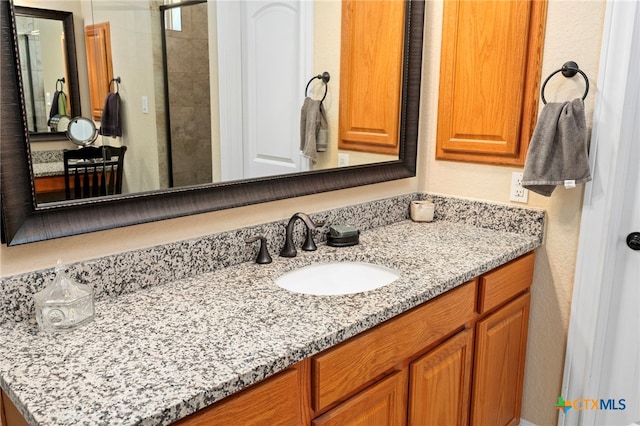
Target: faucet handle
{"type": "Point", "coordinates": [263, 253]}
{"type": "Point", "coordinates": [309, 244]}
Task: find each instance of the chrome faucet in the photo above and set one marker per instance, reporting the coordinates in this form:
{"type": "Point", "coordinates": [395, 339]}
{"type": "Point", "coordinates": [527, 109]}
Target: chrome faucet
{"type": "Point", "coordinates": [289, 249]}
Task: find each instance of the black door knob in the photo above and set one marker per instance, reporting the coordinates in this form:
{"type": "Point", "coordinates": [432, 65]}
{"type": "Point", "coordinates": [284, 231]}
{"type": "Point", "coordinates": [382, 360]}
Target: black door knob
{"type": "Point", "coordinates": [633, 240]}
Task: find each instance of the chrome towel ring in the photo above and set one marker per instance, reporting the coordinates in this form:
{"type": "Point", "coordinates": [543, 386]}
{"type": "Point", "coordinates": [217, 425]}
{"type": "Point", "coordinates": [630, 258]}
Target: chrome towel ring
{"type": "Point", "coordinates": [569, 69]}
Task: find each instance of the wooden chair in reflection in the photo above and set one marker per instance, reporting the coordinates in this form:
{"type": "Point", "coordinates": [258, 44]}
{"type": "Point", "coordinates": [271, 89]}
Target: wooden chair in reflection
{"type": "Point", "coordinates": [93, 171]}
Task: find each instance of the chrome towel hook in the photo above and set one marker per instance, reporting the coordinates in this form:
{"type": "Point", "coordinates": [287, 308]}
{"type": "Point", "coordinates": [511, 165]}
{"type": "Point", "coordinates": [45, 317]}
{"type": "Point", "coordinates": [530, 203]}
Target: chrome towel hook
{"type": "Point", "coordinates": [569, 69]}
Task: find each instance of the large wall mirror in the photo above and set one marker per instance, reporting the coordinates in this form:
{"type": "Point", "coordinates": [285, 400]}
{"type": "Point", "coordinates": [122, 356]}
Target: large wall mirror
{"type": "Point", "coordinates": [210, 117]}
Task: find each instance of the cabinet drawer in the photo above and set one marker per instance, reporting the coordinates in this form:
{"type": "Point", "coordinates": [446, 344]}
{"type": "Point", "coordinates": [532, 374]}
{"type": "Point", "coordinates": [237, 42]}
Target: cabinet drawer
{"type": "Point", "coordinates": [505, 282]}
{"type": "Point", "coordinates": [339, 371]}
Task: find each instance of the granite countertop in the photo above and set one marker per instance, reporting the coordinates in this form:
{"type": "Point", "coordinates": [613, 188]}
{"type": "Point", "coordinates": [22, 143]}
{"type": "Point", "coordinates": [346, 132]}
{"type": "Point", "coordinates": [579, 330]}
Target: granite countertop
{"type": "Point", "coordinates": [48, 169]}
{"type": "Point", "coordinates": [47, 163]}
{"type": "Point", "coordinates": [161, 353]}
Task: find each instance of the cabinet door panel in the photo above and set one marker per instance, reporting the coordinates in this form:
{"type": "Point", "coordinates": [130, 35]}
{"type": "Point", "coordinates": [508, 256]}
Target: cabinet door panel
{"type": "Point", "coordinates": [501, 341]}
{"type": "Point", "coordinates": [382, 404]}
{"type": "Point", "coordinates": [440, 384]}
{"type": "Point", "coordinates": [489, 78]}
{"type": "Point", "coordinates": [99, 65]}
{"type": "Point", "coordinates": [371, 76]}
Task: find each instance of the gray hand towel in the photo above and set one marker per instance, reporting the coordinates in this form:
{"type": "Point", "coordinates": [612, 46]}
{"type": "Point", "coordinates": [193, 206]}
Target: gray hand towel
{"type": "Point", "coordinates": [111, 122]}
{"type": "Point", "coordinates": [314, 129]}
{"type": "Point", "coordinates": [558, 152]}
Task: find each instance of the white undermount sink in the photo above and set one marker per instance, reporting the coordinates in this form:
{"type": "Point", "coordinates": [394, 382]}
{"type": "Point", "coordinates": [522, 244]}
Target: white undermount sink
{"type": "Point", "coordinates": [336, 278]}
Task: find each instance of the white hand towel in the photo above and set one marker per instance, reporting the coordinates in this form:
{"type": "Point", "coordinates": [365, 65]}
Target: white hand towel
{"type": "Point", "coordinates": [558, 152]}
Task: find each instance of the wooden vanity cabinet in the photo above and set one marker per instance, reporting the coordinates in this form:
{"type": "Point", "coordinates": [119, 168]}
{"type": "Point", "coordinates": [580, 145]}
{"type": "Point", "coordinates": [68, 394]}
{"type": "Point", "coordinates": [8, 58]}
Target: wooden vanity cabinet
{"type": "Point", "coordinates": [455, 360]}
{"type": "Point", "coordinates": [345, 369]}
{"type": "Point", "coordinates": [393, 352]}
{"type": "Point", "coordinates": [440, 347]}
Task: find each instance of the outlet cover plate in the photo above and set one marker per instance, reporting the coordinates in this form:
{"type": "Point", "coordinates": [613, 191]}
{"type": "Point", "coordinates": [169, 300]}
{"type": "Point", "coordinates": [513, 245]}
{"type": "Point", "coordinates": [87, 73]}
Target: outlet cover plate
{"type": "Point", "coordinates": [518, 193]}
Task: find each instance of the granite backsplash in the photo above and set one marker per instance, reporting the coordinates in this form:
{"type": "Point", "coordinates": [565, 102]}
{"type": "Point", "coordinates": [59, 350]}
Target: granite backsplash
{"type": "Point", "coordinates": [127, 272]}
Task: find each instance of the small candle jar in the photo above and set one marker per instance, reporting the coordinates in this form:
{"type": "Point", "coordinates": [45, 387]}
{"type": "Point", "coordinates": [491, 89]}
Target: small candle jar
{"type": "Point", "coordinates": [422, 211]}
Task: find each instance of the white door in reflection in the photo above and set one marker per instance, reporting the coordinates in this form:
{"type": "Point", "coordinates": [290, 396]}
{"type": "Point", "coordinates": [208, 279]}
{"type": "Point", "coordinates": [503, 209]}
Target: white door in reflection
{"type": "Point", "coordinates": [260, 131]}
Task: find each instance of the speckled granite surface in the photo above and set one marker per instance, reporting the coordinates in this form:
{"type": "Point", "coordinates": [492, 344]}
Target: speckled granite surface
{"type": "Point", "coordinates": [47, 163]}
{"type": "Point", "coordinates": [124, 273]}
{"type": "Point", "coordinates": [48, 156]}
{"type": "Point", "coordinates": [157, 354]}
{"type": "Point", "coordinates": [48, 169]}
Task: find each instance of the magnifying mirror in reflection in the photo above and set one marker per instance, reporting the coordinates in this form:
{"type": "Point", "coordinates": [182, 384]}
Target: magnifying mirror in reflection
{"type": "Point", "coordinates": [59, 123]}
{"type": "Point", "coordinates": [82, 131]}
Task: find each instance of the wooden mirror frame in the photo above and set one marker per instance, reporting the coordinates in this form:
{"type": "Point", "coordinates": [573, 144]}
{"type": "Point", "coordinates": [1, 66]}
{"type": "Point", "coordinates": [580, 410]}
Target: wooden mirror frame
{"type": "Point", "coordinates": [23, 221]}
{"type": "Point", "coordinates": [73, 87]}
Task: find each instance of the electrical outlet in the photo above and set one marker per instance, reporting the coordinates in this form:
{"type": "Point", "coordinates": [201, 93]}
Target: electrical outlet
{"type": "Point", "coordinates": [518, 193]}
{"type": "Point", "coordinates": [343, 160]}
{"type": "Point", "coordinates": [145, 105]}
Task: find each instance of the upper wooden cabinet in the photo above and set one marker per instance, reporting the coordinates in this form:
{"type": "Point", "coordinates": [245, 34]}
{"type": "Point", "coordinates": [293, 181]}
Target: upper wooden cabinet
{"type": "Point", "coordinates": [489, 79]}
{"type": "Point", "coordinates": [99, 65]}
{"type": "Point", "coordinates": [371, 75]}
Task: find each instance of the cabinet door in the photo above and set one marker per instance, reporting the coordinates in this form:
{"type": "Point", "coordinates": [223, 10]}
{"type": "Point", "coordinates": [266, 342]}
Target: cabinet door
{"type": "Point", "coordinates": [99, 65]}
{"type": "Point", "coordinates": [384, 403]}
{"type": "Point", "coordinates": [9, 414]}
{"type": "Point", "coordinates": [489, 79]}
{"type": "Point", "coordinates": [440, 383]}
{"type": "Point", "coordinates": [501, 341]}
{"type": "Point", "coordinates": [371, 75]}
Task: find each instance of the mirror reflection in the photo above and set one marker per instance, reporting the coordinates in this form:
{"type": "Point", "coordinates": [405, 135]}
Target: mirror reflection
{"type": "Point", "coordinates": [213, 91]}
{"type": "Point", "coordinates": [48, 79]}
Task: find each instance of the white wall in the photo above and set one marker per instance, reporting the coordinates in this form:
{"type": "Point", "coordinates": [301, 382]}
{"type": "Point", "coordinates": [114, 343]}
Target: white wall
{"type": "Point", "coordinates": [327, 15]}
{"type": "Point", "coordinates": [132, 50]}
